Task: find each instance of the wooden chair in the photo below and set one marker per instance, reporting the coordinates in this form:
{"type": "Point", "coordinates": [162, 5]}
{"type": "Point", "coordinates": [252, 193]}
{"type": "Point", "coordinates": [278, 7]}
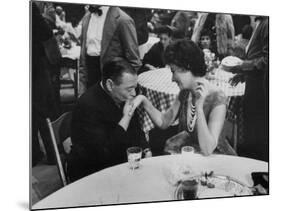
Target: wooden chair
{"type": "Point", "coordinates": [60, 136]}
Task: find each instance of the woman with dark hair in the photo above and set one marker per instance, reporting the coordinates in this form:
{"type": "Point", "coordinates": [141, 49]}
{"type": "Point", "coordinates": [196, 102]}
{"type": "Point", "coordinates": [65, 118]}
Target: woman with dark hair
{"type": "Point", "coordinates": [200, 106]}
{"type": "Point", "coordinates": [221, 26]}
{"type": "Point", "coordinates": [206, 40]}
{"type": "Point", "coordinates": [154, 58]}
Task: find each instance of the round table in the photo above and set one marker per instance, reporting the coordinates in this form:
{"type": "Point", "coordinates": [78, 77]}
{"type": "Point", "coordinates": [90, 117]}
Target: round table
{"type": "Point", "coordinates": [119, 184]}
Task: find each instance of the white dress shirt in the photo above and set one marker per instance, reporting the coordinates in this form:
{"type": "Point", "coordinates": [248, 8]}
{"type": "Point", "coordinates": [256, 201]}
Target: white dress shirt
{"type": "Point", "coordinates": [94, 33]}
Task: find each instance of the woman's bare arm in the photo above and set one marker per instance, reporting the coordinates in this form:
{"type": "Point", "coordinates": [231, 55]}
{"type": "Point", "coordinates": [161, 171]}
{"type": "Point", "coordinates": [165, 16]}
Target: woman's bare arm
{"type": "Point", "coordinates": [208, 133]}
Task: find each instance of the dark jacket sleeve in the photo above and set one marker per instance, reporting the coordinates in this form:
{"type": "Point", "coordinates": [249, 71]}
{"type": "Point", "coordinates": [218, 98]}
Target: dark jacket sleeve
{"type": "Point", "coordinates": [98, 140]}
{"type": "Point", "coordinates": [260, 63]}
{"type": "Point", "coordinates": [155, 56]}
{"type": "Point", "coordinates": [40, 29]}
{"type": "Point", "coordinates": [129, 41]}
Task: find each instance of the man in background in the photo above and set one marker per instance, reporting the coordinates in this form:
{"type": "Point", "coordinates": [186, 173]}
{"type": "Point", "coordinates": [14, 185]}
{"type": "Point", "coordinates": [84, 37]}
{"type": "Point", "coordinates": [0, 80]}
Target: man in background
{"type": "Point", "coordinates": [254, 70]}
{"type": "Point", "coordinates": [107, 33]}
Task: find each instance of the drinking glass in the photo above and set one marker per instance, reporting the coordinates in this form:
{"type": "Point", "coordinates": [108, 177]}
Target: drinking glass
{"type": "Point", "coordinates": [190, 189]}
{"type": "Point", "coordinates": [187, 150]}
{"type": "Point", "coordinates": [134, 157]}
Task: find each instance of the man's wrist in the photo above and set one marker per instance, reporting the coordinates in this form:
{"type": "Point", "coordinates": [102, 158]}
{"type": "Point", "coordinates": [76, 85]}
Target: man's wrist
{"type": "Point", "coordinates": [125, 121]}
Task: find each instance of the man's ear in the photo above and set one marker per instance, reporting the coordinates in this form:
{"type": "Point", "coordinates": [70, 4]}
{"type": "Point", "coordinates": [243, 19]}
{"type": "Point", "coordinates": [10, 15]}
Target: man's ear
{"type": "Point", "coordinates": [109, 85]}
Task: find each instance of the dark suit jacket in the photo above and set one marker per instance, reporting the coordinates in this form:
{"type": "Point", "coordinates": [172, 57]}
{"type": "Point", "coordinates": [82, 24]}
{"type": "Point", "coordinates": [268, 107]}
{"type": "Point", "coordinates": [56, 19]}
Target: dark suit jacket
{"type": "Point", "coordinates": [155, 56]}
{"type": "Point", "coordinates": [140, 17]}
{"type": "Point", "coordinates": [256, 113]}
{"type": "Point", "coordinates": [257, 65]}
{"type": "Point", "coordinates": [119, 39]}
{"type": "Point", "coordinates": [98, 140]}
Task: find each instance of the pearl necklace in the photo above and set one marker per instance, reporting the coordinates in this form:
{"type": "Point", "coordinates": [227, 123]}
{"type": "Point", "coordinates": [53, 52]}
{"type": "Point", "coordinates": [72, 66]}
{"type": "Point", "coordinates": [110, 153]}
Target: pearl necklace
{"type": "Point", "coordinates": [191, 115]}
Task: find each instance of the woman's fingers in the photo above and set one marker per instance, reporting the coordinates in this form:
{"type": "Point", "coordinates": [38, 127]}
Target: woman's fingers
{"type": "Point", "coordinates": [200, 88]}
{"type": "Point", "coordinates": [135, 103]}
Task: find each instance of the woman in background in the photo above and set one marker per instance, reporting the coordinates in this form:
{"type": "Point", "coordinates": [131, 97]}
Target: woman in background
{"type": "Point", "coordinates": [154, 58]}
{"type": "Point", "coordinates": [222, 28]}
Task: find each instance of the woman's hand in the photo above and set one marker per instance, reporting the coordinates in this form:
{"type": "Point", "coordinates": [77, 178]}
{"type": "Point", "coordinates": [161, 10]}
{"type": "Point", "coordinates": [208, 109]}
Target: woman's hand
{"type": "Point", "coordinates": [137, 101]}
{"type": "Point", "coordinates": [237, 79]}
{"type": "Point", "coordinates": [132, 104]}
{"type": "Point", "coordinates": [201, 92]}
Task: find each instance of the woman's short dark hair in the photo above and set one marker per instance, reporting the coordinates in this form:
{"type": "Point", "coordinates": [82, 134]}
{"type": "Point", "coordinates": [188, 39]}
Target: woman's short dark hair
{"type": "Point", "coordinates": [206, 32]}
{"type": "Point", "coordinates": [114, 70]}
{"type": "Point", "coordinates": [187, 55]}
{"type": "Point", "coordinates": [247, 31]}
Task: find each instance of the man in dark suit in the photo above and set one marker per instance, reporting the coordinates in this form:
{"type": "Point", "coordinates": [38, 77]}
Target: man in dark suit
{"type": "Point", "coordinates": [104, 124]}
{"type": "Point", "coordinates": [254, 70]}
{"type": "Point", "coordinates": [107, 33]}
{"type": "Point", "coordinates": [43, 105]}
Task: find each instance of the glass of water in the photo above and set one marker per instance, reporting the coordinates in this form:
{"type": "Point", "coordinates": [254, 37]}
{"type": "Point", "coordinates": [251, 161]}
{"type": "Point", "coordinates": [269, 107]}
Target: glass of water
{"type": "Point", "coordinates": [134, 156]}
{"type": "Point", "coordinates": [187, 150]}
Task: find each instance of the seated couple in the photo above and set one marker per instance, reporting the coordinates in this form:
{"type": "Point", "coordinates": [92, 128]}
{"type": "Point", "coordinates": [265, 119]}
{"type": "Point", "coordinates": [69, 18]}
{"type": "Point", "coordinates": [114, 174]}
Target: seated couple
{"type": "Point", "coordinates": [104, 122]}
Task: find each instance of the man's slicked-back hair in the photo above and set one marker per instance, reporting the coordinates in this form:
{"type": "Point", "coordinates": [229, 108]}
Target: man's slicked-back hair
{"type": "Point", "coordinates": [114, 70]}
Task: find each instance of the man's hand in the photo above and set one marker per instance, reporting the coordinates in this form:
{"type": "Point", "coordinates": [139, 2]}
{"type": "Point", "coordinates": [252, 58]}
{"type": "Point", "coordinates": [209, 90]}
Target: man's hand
{"type": "Point", "coordinates": [127, 114]}
{"type": "Point", "coordinates": [239, 78]}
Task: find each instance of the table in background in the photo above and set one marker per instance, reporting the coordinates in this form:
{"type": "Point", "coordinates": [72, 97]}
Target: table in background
{"type": "Point", "coordinates": [158, 87]}
{"type": "Point", "coordinates": [119, 184]}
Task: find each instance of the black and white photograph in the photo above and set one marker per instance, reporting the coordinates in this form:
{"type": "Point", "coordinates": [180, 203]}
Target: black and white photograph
{"type": "Point", "coordinates": [136, 105]}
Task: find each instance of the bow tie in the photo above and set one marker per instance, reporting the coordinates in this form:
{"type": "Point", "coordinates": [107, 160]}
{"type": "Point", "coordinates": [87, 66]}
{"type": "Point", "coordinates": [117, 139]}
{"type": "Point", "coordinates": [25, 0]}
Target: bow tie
{"type": "Point", "coordinates": [95, 10]}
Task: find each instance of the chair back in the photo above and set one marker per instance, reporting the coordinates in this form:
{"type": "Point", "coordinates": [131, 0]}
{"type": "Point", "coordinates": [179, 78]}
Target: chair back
{"type": "Point", "coordinates": [71, 82]}
{"type": "Point", "coordinates": [60, 131]}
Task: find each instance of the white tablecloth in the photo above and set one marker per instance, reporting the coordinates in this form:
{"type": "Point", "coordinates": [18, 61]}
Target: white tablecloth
{"type": "Point", "coordinates": [221, 78]}
{"type": "Point", "coordinates": [118, 184]}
